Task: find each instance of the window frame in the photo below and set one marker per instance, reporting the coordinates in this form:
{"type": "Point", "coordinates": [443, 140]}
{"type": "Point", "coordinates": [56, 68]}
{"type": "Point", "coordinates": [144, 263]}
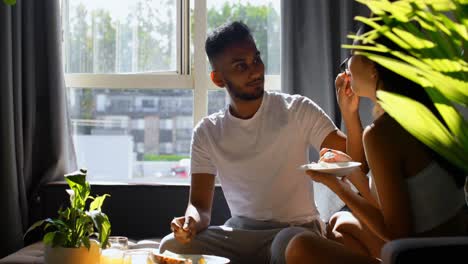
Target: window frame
{"type": "Point", "coordinates": [182, 78]}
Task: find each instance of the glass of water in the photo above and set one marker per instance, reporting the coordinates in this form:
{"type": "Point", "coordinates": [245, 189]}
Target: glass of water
{"type": "Point", "coordinates": [118, 242]}
{"type": "Point", "coordinates": [137, 256]}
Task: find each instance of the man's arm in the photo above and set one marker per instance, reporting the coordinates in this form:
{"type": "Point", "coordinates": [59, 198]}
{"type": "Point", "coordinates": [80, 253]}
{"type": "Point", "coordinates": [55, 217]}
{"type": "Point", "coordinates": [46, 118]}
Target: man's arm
{"type": "Point", "coordinates": [198, 214]}
{"type": "Point", "coordinates": [201, 199]}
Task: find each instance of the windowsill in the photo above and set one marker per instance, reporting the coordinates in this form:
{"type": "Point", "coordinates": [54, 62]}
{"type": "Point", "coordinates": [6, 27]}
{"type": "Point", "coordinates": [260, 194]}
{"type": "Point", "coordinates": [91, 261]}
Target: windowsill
{"type": "Point", "coordinates": [122, 183]}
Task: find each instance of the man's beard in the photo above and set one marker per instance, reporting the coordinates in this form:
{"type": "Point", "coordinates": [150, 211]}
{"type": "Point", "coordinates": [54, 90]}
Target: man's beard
{"type": "Point", "coordinates": [234, 91]}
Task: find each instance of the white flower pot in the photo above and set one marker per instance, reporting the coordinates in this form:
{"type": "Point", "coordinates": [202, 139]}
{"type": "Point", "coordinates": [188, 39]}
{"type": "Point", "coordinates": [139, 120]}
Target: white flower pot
{"type": "Point", "coordinates": [61, 255]}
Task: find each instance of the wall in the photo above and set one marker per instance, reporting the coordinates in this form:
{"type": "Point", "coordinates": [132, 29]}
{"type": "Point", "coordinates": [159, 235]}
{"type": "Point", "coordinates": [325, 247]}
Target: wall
{"type": "Point", "coordinates": [136, 211]}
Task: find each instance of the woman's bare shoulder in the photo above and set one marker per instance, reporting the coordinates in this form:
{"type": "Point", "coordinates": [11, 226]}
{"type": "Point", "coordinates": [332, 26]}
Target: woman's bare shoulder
{"type": "Point", "coordinates": [383, 129]}
{"type": "Point", "coordinates": [387, 136]}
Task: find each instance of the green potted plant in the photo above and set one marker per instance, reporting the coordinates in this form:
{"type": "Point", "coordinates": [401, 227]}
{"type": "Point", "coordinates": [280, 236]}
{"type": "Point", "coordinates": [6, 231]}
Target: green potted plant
{"type": "Point", "coordinates": [77, 234]}
{"type": "Point", "coordinates": [434, 36]}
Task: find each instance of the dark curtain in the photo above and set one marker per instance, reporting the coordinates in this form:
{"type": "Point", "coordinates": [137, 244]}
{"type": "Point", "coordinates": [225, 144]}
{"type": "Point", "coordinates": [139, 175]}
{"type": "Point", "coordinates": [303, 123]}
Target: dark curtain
{"type": "Point", "coordinates": [36, 145]}
{"type": "Point", "coordinates": [312, 35]}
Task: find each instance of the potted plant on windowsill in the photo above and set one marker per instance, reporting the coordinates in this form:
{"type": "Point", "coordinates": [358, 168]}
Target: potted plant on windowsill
{"type": "Point", "coordinates": [71, 238]}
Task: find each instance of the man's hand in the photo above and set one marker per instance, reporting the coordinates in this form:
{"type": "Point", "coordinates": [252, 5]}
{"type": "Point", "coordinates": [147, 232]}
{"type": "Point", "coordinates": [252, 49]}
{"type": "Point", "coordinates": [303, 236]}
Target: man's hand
{"type": "Point", "coordinates": [347, 99]}
{"type": "Point", "coordinates": [184, 229]}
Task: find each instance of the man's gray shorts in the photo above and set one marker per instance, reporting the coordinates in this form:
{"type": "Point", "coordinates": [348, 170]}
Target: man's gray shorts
{"type": "Point", "coordinates": [244, 240]}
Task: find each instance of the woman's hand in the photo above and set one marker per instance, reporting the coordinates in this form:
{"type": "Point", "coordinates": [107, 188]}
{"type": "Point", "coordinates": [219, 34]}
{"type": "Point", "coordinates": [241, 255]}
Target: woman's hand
{"type": "Point", "coordinates": [329, 180]}
{"type": "Point", "coordinates": [347, 99]}
{"type": "Point", "coordinates": [332, 155]}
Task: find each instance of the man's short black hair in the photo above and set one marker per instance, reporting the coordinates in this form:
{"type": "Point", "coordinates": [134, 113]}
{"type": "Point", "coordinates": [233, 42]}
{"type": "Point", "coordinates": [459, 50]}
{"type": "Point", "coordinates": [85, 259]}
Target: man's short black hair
{"type": "Point", "coordinates": [224, 36]}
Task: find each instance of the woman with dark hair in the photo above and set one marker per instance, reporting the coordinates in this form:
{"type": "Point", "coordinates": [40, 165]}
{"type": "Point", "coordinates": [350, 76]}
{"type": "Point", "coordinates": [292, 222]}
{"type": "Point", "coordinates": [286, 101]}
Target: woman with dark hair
{"type": "Point", "coordinates": [411, 191]}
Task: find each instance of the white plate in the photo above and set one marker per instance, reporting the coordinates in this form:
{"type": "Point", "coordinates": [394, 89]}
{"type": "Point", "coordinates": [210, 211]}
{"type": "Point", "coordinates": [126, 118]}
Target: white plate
{"type": "Point", "coordinates": [337, 169]}
{"type": "Point", "coordinates": [209, 259]}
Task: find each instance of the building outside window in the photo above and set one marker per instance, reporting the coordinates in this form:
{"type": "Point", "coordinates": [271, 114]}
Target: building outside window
{"type": "Point", "coordinates": [134, 94]}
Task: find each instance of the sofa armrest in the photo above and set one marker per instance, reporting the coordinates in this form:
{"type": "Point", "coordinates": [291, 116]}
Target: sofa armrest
{"type": "Point", "coordinates": [426, 250]}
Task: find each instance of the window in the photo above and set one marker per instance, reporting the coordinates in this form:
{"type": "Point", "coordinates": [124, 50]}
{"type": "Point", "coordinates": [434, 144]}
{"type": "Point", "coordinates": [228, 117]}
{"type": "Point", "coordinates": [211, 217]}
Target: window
{"type": "Point", "coordinates": [133, 93]}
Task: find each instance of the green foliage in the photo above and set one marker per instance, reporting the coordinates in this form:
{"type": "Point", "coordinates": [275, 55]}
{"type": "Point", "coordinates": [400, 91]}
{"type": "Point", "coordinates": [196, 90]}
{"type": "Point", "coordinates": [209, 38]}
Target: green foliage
{"type": "Point", "coordinates": [434, 35]}
{"type": "Point", "coordinates": [75, 225]}
{"type": "Point", "coordinates": [152, 157]}
{"type": "Point", "coordinates": [264, 22]}
{"type": "Point", "coordinates": [9, 2]}
{"type": "Point", "coordinates": [99, 42]}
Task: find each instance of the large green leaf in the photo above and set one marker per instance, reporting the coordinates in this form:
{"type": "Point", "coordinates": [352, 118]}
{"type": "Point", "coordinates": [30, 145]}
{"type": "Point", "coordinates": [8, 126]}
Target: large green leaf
{"type": "Point", "coordinates": [102, 223]}
{"type": "Point", "coordinates": [380, 7]}
{"type": "Point", "coordinates": [86, 242]}
{"type": "Point", "coordinates": [55, 223]}
{"type": "Point", "coordinates": [405, 7]}
{"type": "Point", "coordinates": [34, 226]}
{"type": "Point", "coordinates": [416, 42]}
{"type": "Point", "coordinates": [49, 238]}
{"type": "Point", "coordinates": [384, 30]}
{"type": "Point", "coordinates": [422, 124]}
{"type": "Point", "coordinates": [368, 48]}
{"type": "Point", "coordinates": [454, 120]}
{"type": "Point", "coordinates": [76, 178]}
{"type": "Point", "coordinates": [77, 182]}
{"type": "Point", "coordinates": [453, 89]}
{"type": "Point", "coordinates": [97, 203]}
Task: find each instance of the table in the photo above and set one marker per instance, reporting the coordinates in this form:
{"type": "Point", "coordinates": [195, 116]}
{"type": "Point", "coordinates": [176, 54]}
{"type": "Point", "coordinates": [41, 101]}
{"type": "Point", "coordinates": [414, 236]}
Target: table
{"type": "Point", "coordinates": [34, 253]}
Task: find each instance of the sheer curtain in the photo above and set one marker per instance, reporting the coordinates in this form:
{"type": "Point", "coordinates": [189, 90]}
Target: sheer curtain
{"type": "Point", "coordinates": [36, 146]}
{"type": "Point", "coordinates": [313, 32]}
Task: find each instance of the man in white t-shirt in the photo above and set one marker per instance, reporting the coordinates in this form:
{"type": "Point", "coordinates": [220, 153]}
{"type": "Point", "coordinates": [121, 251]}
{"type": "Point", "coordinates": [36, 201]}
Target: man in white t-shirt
{"type": "Point", "coordinates": [254, 147]}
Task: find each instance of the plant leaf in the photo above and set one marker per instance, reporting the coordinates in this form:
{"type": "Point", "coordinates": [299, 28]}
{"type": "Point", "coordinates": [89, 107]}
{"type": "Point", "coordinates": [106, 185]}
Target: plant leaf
{"type": "Point", "coordinates": [58, 239]}
{"type": "Point", "coordinates": [77, 182]}
{"type": "Point", "coordinates": [416, 42]}
{"type": "Point", "coordinates": [102, 223]}
{"type": "Point", "coordinates": [49, 238]}
{"type": "Point", "coordinates": [453, 89]}
{"type": "Point", "coordinates": [422, 124]}
{"type": "Point", "coordinates": [34, 226]}
{"type": "Point", "coordinates": [97, 203]}
{"type": "Point", "coordinates": [455, 122]}
{"type": "Point", "coordinates": [86, 242]}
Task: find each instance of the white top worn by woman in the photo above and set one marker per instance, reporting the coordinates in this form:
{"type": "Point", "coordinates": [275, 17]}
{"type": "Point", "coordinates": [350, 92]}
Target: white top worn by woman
{"type": "Point", "coordinates": [434, 197]}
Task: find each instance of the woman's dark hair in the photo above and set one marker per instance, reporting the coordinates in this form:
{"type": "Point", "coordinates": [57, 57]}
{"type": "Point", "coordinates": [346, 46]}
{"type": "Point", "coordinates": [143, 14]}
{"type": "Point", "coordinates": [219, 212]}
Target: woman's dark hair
{"type": "Point", "coordinates": [393, 82]}
{"type": "Point", "coordinates": [224, 36]}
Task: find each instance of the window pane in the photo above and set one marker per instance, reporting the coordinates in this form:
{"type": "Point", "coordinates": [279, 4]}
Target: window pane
{"type": "Point", "coordinates": [217, 100]}
{"type": "Point", "coordinates": [263, 19]}
{"type": "Point", "coordinates": [132, 134]}
{"type": "Point", "coordinates": [129, 36]}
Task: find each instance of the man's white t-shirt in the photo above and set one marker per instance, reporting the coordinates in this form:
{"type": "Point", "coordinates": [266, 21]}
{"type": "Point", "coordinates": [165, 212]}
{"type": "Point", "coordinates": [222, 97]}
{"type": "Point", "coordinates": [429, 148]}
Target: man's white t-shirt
{"type": "Point", "coordinates": [257, 159]}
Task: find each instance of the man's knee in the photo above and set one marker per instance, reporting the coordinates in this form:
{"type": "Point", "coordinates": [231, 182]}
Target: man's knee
{"type": "Point", "coordinates": [170, 243]}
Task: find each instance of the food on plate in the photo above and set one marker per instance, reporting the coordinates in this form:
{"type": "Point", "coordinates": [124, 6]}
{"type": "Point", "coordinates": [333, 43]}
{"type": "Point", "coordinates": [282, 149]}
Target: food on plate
{"type": "Point", "coordinates": [166, 259]}
{"type": "Point", "coordinates": [169, 257]}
